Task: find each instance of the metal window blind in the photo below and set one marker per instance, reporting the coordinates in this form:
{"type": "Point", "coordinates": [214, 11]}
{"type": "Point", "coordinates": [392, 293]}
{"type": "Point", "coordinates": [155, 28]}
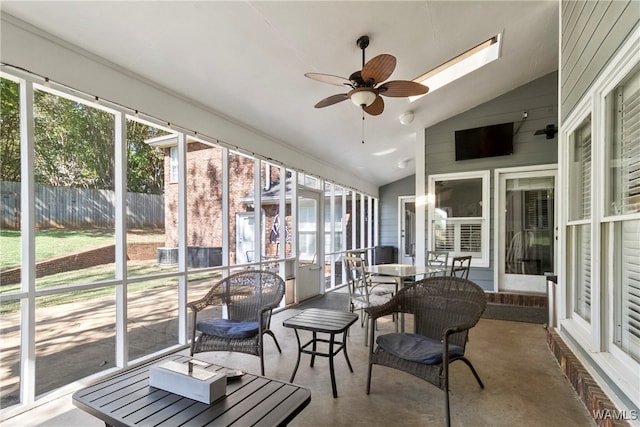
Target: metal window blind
{"type": "Point", "coordinates": [445, 237]}
{"type": "Point", "coordinates": [585, 175]}
{"type": "Point", "coordinates": [470, 237]}
{"type": "Point", "coordinates": [630, 275]}
{"type": "Point", "coordinates": [629, 114]}
{"type": "Point", "coordinates": [582, 271]}
{"type": "Point", "coordinates": [458, 236]}
{"type": "Point", "coordinates": [580, 209]}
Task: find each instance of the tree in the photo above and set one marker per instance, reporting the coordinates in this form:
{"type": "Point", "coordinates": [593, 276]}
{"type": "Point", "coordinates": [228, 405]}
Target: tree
{"type": "Point", "coordinates": [74, 144]}
{"type": "Point", "coordinates": [9, 131]}
{"type": "Point", "coordinates": [145, 164]}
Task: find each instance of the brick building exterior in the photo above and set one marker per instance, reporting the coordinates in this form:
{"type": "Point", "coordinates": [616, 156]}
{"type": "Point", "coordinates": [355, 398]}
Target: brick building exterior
{"type": "Point", "coordinates": [204, 199]}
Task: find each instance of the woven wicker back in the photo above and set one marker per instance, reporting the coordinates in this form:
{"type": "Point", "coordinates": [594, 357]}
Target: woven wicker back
{"type": "Point", "coordinates": [438, 303]}
{"type": "Point", "coordinates": [246, 292]}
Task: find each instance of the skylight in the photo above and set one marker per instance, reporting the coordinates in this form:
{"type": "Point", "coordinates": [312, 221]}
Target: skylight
{"type": "Point", "coordinates": [463, 64]}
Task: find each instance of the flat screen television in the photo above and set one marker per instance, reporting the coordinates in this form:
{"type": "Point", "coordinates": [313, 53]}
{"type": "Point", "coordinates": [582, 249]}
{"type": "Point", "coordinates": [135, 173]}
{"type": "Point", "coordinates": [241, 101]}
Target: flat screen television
{"type": "Point", "coordinates": [485, 141]}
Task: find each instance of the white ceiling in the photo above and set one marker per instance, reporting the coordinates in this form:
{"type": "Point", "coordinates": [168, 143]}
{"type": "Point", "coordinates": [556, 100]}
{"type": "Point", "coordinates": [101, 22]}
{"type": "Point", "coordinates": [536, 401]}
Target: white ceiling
{"type": "Point", "coordinates": [246, 60]}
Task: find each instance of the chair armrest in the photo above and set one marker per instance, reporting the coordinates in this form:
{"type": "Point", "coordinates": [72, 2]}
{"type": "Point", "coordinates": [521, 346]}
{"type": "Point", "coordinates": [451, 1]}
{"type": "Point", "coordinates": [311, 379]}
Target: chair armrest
{"type": "Point", "coordinates": [461, 327]}
{"type": "Point", "coordinates": [213, 297]}
{"type": "Point", "coordinates": [385, 309]}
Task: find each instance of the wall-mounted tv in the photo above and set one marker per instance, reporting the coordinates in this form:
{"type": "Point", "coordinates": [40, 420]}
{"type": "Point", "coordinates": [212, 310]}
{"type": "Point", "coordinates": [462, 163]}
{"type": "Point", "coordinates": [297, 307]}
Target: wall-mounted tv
{"type": "Point", "coordinates": [486, 141]}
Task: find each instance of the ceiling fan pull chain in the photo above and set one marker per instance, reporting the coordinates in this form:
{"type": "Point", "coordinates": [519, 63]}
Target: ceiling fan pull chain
{"type": "Point", "coordinates": [363, 125]}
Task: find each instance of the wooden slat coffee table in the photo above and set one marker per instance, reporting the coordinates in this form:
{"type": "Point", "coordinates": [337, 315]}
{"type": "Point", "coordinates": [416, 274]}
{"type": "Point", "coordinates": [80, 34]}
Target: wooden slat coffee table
{"type": "Point", "coordinates": [126, 399]}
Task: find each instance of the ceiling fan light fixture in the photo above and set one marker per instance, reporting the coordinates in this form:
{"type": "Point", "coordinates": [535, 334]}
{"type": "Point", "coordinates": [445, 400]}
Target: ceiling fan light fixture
{"type": "Point", "coordinates": [362, 97]}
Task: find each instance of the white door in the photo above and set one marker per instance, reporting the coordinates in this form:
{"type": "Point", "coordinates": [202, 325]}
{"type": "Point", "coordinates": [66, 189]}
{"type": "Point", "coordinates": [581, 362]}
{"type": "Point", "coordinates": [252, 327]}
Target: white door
{"type": "Point", "coordinates": [245, 238]}
{"type": "Point", "coordinates": [310, 260]}
{"type": "Point", "coordinates": [407, 242]}
{"type": "Point", "coordinates": [526, 246]}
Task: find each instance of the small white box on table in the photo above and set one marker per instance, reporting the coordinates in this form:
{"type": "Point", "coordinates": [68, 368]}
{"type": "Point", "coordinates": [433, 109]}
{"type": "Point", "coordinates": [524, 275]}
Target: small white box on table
{"type": "Point", "coordinates": [189, 379]}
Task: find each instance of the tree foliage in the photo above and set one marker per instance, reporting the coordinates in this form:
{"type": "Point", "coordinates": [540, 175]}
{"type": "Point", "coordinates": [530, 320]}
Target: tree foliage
{"type": "Point", "coordinates": [9, 131]}
{"type": "Point", "coordinates": [75, 144]}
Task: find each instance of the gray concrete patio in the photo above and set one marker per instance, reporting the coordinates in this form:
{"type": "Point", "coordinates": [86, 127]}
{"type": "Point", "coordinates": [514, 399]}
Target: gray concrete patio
{"type": "Point", "coordinates": [524, 385]}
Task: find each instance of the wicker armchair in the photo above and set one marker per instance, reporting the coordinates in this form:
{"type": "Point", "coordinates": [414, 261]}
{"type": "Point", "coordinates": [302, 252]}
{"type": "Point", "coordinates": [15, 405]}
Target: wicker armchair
{"type": "Point", "coordinates": [443, 309]}
{"type": "Point", "coordinates": [249, 296]}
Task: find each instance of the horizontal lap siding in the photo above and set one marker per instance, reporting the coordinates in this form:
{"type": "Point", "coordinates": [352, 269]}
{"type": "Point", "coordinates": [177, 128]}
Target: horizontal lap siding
{"type": "Point", "coordinates": [389, 208]}
{"type": "Point", "coordinates": [592, 32]}
{"type": "Point", "coordinates": [539, 99]}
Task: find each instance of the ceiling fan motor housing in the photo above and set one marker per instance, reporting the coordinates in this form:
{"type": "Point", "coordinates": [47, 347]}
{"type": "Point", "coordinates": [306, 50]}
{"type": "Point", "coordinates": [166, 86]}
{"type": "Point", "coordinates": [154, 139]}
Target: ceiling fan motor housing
{"type": "Point", "coordinates": [366, 84]}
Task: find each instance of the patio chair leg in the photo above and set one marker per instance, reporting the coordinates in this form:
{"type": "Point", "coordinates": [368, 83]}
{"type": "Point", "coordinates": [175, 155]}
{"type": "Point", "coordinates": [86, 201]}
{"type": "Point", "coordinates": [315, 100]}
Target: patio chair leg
{"type": "Point", "coordinates": [369, 379]}
{"type": "Point", "coordinates": [366, 332]}
{"type": "Point", "coordinates": [473, 370]}
{"type": "Point", "coordinates": [446, 394]}
{"type": "Point", "coordinates": [270, 332]}
{"type": "Point", "coordinates": [447, 413]}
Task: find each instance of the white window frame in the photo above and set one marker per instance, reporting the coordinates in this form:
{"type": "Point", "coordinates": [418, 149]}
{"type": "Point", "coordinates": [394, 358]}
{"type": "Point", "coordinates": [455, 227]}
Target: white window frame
{"type": "Point", "coordinates": [593, 342]}
{"type": "Point", "coordinates": [485, 176]}
{"type": "Point", "coordinates": [583, 221]}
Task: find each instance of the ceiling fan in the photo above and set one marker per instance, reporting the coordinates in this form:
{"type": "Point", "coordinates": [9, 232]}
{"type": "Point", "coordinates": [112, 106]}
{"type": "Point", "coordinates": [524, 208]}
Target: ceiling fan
{"type": "Point", "coordinates": [365, 84]}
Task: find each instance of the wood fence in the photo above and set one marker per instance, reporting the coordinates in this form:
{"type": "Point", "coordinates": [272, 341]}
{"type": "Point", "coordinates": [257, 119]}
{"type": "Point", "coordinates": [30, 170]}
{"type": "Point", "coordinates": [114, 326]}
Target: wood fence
{"type": "Point", "coordinates": [79, 207]}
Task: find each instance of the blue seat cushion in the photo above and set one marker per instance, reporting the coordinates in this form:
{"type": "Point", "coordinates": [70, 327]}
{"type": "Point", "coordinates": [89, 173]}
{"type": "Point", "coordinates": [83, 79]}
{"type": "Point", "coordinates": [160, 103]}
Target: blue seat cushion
{"type": "Point", "coordinates": [228, 328]}
{"type": "Point", "coordinates": [416, 348]}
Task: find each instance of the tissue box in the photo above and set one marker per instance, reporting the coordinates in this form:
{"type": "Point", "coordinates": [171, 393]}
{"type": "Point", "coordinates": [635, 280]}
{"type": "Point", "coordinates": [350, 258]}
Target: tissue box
{"type": "Point", "coordinates": [189, 379]}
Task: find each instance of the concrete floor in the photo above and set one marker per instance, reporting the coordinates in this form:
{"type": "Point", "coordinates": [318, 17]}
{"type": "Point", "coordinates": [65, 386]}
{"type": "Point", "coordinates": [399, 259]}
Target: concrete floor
{"type": "Point", "coordinates": [523, 385]}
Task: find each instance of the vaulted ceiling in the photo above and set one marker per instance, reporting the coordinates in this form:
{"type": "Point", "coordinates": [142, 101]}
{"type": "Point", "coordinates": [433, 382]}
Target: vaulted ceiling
{"type": "Point", "coordinates": [246, 60]}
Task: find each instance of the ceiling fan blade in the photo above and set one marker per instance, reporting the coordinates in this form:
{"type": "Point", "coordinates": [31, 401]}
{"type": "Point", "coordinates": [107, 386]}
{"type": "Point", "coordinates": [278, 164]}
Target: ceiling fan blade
{"type": "Point", "coordinates": [328, 78]}
{"type": "Point", "coordinates": [333, 99]}
{"type": "Point", "coordinates": [402, 88]}
{"type": "Point", "coordinates": [377, 107]}
{"type": "Point", "coordinates": [378, 69]}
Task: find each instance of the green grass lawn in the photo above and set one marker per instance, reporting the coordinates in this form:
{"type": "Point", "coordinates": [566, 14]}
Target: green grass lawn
{"type": "Point", "coordinates": [51, 243]}
{"type": "Point", "coordinates": [95, 274]}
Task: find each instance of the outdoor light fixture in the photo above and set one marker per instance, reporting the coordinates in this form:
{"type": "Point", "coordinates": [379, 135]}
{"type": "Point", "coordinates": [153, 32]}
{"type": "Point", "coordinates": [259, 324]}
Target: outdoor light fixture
{"type": "Point", "coordinates": [362, 96]}
{"type": "Point", "coordinates": [407, 117]}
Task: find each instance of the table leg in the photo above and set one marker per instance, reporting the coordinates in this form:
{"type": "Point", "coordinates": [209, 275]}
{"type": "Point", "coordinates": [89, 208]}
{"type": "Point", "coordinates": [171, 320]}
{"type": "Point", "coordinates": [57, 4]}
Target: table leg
{"type": "Point", "coordinates": [313, 355]}
{"type": "Point", "coordinates": [293, 375]}
{"type": "Point", "coordinates": [401, 314]}
{"type": "Point", "coordinates": [344, 350]}
{"type": "Point", "coordinates": [331, 368]}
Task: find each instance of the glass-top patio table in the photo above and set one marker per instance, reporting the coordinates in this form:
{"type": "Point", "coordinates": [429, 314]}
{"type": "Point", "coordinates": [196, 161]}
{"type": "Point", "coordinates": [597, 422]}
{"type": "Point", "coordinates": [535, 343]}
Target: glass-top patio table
{"type": "Point", "coordinates": [402, 272]}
